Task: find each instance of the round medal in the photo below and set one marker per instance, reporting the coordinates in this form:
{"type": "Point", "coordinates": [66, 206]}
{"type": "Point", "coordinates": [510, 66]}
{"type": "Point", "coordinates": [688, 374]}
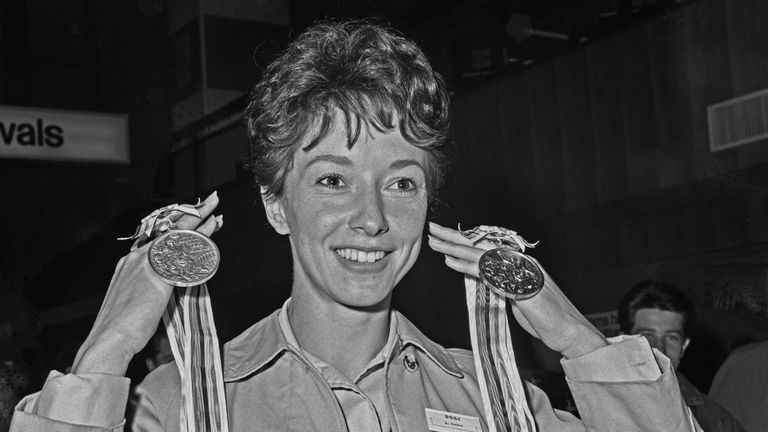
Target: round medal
{"type": "Point", "coordinates": [183, 257]}
{"type": "Point", "coordinates": [510, 273]}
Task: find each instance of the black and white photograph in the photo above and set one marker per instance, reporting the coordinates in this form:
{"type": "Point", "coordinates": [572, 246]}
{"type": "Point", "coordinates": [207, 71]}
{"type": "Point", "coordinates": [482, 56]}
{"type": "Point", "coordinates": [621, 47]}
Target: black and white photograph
{"type": "Point", "coordinates": [383, 216]}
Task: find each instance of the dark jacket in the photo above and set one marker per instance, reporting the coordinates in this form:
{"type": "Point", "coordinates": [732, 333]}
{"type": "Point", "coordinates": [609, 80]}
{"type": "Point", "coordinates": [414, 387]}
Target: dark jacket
{"type": "Point", "coordinates": [711, 416]}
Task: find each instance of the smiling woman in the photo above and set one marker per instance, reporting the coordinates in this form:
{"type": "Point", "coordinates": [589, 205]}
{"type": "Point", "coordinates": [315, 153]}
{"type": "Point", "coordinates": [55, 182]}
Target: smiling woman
{"type": "Point", "coordinates": [355, 218]}
{"type": "Point", "coordinates": [346, 129]}
{"type": "Point", "coordinates": [345, 206]}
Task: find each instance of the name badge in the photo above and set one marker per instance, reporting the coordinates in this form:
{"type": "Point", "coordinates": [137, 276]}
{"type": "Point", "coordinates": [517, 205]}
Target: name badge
{"type": "Point", "coordinates": [442, 421]}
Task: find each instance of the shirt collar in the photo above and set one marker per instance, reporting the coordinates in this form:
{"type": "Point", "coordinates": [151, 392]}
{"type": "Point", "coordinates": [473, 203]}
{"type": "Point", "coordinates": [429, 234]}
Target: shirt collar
{"type": "Point", "coordinates": [256, 348]}
{"type": "Point", "coordinates": [326, 369]}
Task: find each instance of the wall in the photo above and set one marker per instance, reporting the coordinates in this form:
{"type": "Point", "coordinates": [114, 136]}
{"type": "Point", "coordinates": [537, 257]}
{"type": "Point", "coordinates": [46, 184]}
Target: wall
{"type": "Point", "coordinates": [603, 156]}
{"type": "Point", "coordinates": [608, 145]}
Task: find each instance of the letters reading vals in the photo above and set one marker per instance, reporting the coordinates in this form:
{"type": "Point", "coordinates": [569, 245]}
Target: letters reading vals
{"type": "Point", "coordinates": [63, 135]}
{"type": "Point", "coordinates": [27, 134]}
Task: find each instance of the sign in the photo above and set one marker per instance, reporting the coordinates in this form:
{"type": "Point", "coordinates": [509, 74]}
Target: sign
{"type": "Point", "coordinates": [606, 322]}
{"type": "Point", "coordinates": [36, 133]}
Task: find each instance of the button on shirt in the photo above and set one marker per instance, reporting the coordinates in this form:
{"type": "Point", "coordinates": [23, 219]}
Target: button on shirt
{"type": "Point", "coordinates": [362, 400]}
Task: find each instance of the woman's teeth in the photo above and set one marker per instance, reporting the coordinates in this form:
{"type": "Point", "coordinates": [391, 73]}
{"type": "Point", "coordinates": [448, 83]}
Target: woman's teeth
{"type": "Point", "coordinates": [360, 256]}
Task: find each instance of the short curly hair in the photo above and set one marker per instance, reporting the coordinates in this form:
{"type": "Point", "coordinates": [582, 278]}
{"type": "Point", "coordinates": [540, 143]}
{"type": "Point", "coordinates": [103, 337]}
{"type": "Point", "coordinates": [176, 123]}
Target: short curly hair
{"type": "Point", "coordinates": [374, 76]}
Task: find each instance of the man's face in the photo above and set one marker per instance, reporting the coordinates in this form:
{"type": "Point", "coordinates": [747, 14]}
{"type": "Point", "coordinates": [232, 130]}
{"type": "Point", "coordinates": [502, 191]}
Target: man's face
{"type": "Point", "coordinates": [664, 331]}
{"type": "Point", "coordinates": [354, 215]}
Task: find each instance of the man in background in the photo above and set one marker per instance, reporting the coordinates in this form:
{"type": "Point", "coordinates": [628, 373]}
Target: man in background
{"type": "Point", "coordinates": [665, 316]}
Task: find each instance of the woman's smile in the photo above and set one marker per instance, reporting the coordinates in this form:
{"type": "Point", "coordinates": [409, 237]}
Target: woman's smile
{"type": "Point", "coordinates": [361, 256]}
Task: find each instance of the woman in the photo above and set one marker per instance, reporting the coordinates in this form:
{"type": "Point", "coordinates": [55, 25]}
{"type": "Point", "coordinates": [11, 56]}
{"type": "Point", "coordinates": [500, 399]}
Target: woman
{"type": "Point", "coordinates": [346, 128]}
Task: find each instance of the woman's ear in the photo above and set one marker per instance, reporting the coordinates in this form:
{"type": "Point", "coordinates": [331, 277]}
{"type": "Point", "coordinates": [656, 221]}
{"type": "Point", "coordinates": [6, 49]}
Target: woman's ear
{"type": "Point", "coordinates": [275, 210]}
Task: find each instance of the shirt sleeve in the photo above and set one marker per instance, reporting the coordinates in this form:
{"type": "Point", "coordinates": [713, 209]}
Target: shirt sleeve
{"type": "Point", "coordinates": [627, 386]}
{"type": "Point", "coordinates": [74, 403]}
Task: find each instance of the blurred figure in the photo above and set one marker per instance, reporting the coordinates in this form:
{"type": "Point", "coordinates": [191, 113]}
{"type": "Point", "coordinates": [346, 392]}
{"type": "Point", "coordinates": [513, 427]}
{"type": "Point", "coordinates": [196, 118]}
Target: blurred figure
{"type": "Point", "coordinates": [14, 383]}
{"type": "Point", "coordinates": [664, 315]}
{"type": "Point", "coordinates": [156, 353]}
{"type": "Point", "coordinates": [158, 350]}
{"type": "Point", "coordinates": [741, 386]}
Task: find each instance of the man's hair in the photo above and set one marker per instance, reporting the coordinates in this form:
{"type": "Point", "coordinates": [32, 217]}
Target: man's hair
{"type": "Point", "coordinates": [372, 75]}
{"type": "Point", "coordinates": [652, 294]}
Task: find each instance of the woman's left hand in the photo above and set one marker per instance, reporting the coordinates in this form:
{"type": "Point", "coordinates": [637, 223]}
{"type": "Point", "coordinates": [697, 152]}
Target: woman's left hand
{"type": "Point", "coordinates": [549, 315]}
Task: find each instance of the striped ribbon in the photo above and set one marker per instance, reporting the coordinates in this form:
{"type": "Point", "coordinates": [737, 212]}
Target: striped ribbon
{"type": "Point", "coordinates": [504, 401]}
{"type": "Point", "coordinates": [192, 334]}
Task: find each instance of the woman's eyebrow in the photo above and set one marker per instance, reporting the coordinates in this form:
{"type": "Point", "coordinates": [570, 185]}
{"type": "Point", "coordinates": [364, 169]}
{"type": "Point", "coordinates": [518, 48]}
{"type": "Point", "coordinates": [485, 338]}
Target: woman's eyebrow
{"type": "Point", "coordinates": [334, 159]}
{"type": "Point", "coordinates": [402, 163]}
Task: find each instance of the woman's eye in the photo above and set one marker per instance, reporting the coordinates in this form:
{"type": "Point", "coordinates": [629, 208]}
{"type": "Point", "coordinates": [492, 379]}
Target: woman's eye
{"type": "Point", "coordinates": [404, 185]}
{"type": "Point", "coordinates": [331, 181]}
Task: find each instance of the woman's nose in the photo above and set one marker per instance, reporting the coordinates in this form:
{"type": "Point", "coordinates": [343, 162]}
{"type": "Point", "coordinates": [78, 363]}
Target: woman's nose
{"type": "Point", "coordinates": [370, 215]}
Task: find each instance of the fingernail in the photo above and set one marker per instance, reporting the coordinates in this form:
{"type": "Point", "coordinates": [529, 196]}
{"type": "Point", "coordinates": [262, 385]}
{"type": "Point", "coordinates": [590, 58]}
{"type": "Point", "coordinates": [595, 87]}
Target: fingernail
{"type": "Point", "coordinates": [433, 225]}
{"type": "Point", "coordinates": [220, 220]}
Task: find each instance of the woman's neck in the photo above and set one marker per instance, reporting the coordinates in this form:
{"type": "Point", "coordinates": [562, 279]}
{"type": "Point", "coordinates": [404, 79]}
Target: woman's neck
{"type": "Point", "coordinates": [344, 337]}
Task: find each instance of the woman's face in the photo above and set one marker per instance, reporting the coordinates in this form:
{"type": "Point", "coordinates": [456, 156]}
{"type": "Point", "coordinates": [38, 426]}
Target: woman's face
{"type": "Point", "coordinates": [354, 215]}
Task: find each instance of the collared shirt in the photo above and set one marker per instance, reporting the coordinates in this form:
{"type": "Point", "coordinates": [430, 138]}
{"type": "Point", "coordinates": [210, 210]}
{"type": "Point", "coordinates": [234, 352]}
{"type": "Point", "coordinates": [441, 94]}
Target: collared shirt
{"type": "Point", "coordinates": [271, 386]}
{"type": "Point", "coordinates": [362, 400]}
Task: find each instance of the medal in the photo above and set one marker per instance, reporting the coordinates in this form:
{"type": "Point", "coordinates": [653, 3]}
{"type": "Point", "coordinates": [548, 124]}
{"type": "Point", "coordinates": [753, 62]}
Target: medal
{"type": "Point", "coordinates": [510, 273]}
{"type": "Point", "coordinates": [507, 270]}
{"type": "Point", "coordinates": [183, 258]}
{"type": "Point", "coordinates": [187, 259]}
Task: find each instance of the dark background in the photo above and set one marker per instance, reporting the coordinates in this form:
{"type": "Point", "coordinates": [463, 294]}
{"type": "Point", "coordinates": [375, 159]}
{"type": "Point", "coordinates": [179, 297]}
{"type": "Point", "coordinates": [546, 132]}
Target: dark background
{"type": "Point", "coordinates": [594, 142]}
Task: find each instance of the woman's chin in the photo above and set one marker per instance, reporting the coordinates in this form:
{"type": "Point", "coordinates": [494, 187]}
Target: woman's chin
{"type": "Point", "coordinates": [368, 301]}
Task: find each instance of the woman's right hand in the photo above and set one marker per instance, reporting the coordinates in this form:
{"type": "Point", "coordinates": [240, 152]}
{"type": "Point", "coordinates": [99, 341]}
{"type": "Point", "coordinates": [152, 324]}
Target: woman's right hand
{"type": "Point", "coordinates": [134, 304]}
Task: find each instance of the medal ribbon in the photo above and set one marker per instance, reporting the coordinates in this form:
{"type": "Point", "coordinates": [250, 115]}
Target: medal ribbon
{"type": "Point", "coordinates": [501, 388]}
{"type": "Point", "coordinates": [506, 407]}
{"type": "Point", "coordinates": [189, 322]}
{"type": "Point", "coordinates": [191, 332]}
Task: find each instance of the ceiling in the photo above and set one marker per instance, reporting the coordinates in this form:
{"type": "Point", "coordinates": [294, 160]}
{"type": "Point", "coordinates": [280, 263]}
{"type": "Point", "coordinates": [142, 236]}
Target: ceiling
{"type": "Point", "coordinates": [470, 41]}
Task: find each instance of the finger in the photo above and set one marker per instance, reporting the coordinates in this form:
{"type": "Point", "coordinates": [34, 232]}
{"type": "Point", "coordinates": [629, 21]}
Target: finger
{"type": "Point", "coordinates": [462, 266]}
{"type": "Point", "coordinates": [448, 234]}
{"type": "Point", "coordinates": [219, 223]}
{"type": "Point", "coordinates": [211, 225]}
{"type": "Point", "coordinates": [207, 207]}
{"type": "Point", "coordinates": [456, 236]}
{"type": "Point", "coordinates": [467, 253]}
